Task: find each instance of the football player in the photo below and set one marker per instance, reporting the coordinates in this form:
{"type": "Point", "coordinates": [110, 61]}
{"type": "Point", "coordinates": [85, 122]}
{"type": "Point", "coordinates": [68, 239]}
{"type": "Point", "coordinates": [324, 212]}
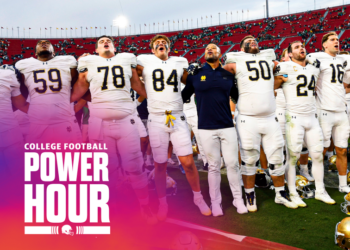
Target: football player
{"type": "Point", "coordinates": [256, 122]}
{"type": "Point", "coordinates": [331, 102]}
{"type": "Point", "coordinates": [298, 80]}
{"type": "Point", "coordinates": [214, 87]}
{"type": "Point", "coordinates": [49, 79]}
{"type": "Point", "coordinates": [109, 78]}
{"type": "Point", "coordinates": [162, 76]}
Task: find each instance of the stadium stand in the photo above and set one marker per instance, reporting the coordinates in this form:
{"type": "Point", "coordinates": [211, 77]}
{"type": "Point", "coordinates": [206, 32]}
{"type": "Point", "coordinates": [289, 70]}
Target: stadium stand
{"type": "Point", "coordinates": [276, 32]}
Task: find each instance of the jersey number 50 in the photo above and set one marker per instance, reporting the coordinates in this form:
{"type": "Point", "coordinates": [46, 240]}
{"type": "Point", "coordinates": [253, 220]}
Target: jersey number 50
{"type": "Point", "coordinates": [261, 72]}
{"type": "Point", "coordinates": [51, 79]}
{"type": "Point", "coordinates": [158, 80]}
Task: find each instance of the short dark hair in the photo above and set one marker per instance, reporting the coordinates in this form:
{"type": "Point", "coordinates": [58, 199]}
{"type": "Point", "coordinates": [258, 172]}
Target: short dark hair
{"type": "Point", "coordinates": [96, 44]}
{"type": "Point", "coordinates": [39, 42]}
{"type": "Point", "coordinates": [245, 38]}
{"type": "Point", "coordinates": [290, 46]}
{"type": "Point", "coordinates": [326, 36]}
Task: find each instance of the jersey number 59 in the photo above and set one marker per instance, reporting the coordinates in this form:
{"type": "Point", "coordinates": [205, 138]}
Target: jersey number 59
{"type": "Point", "coordinates": [51, 78]}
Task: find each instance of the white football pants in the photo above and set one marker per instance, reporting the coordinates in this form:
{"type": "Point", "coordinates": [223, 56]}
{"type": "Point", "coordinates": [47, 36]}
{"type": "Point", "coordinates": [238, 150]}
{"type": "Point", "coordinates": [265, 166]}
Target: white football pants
{"type": "Point", "coordinates": [216, 141]}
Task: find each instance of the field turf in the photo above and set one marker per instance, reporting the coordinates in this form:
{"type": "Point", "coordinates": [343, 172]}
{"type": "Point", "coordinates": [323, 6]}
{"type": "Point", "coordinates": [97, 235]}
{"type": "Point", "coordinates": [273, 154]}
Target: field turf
{"type": "Point", "coordinates": [307, 228]}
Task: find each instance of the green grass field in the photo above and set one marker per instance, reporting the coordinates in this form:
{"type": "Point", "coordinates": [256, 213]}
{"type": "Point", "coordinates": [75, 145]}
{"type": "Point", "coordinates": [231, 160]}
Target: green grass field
{"type": "Point", "coordinates": [307, 228]}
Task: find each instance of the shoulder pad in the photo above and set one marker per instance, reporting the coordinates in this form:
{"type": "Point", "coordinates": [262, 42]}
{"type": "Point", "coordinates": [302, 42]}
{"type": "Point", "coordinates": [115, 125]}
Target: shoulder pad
{"type": "Point", "coordinates": [232, 57]}
{"type": "Point", "coordinates": [72, 62]}
{"type": "Point", "coordinates": [284, 68]}
{"type": "Point", "coordinates": [23, 64]}
{"type": "Point", "coordinates": [181, 60]}
{"type": "Point", "coordinates": [83, 63]}
{"type": "Point", "coordinates": [143, 59]}
{"type": "Point", "coordinates": [269, 53]}
{"type": "Point", "coordinates": [346, 63]}
{"type": "Point", "coordinates": [128, 58]}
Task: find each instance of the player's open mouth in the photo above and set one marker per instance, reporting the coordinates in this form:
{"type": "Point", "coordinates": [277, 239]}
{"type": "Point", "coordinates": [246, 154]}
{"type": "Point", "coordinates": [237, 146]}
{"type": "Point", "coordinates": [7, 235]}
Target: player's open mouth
{"type": "Point", "coordinates": [106, 46]}
{"type": "Point", "coordinates": [336, 46]}
{"type": "Point", "coordinates": [303, 53]}
{"type": "Point", "coordinates": [161, 48]}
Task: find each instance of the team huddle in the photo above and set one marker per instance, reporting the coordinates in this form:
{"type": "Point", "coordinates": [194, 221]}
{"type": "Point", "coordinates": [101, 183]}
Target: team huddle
{"type": "Point", "coordinates": [310, 108]}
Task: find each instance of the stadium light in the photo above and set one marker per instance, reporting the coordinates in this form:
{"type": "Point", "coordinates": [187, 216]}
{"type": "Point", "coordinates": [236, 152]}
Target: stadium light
{"type": "Point", "coordinates": [120, 22]}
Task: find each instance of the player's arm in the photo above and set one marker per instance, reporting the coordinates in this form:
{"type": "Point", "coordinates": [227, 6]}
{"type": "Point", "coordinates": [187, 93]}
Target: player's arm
{"type": "Point", "coordinates": [184, 76]}
{"type": "Point", "coordinates": [230, 67]}
{"type": "Point", "coordinates": [279, 80]}
{"type": "Point", "coordinates": [188, 91]}
{"type": "Point", "coordinates": [20, 103]}
{"type": "Point", "coordinates": [275, 66]}
{"type": "Point", "coordinates": [74, 74]}
{"type": "Point", "coordinates": [80, 87]}
{"type": "Point", "coordinates": [139, 70]}
{"type": "Point", "coordinates": [234, 93]}
{"type": "Point", "coordinates": [233, 108]}
{"type": "Point", "coordinates": [136, 83]}
{"type": "Point", "coordinates": [79, 105]}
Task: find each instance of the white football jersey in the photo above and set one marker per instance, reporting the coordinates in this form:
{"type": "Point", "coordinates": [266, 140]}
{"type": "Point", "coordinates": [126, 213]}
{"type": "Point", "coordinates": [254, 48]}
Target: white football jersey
{"type": "Point", "coordinates": [255, 82]}
{"type": "Point", "coordinates": [9, 87]}
{"type": "Point", "coordinates": [330, 93]}
{"type": "Point", "coordinates": [299, 89]}
{"type": "Point", "coordinates": [109, 84]}
{"type": "Point", "coordinates": [162, 82]}
{"type": "Point", "coordinates": [190, 108]}
{"type": "Point", "coordinates": [280, 99]}
{"type": "Point", "coordinates": [49, 86]}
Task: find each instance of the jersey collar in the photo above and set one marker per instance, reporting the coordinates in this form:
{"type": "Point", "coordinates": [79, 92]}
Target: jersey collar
{"type": "Point", "coordinates": [207, 66]}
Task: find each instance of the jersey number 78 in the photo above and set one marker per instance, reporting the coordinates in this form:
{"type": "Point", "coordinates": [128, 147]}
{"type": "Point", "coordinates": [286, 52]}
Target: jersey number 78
{"type": "Point", "coordinates": [106, 70]}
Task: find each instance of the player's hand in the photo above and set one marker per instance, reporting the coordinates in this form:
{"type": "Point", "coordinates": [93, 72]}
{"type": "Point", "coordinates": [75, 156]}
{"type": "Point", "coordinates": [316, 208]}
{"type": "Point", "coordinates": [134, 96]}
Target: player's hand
{"type": "Point", "coordinates": [314, 61]}
{"type": "Point", "coordinates": [83, 55]}
{"type": "Point", "coordinates": [193, 69]}
{"type": "Point", "coordinates": [7, 67]}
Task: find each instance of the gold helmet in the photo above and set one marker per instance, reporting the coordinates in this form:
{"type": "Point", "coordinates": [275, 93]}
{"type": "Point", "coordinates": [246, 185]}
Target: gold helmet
{"type": "Point", "coordinates": [262, 179]}
{"type": "Point", "coordinates": [171, 186]}
{"type": "Point", "coordinates": [345, 206]}
{"type": "Point", "coordinates": [186, 240]}
{"type": "Point", "coordinates": [332, 163]}
{"type": "Point", "coordinates": [342, 233]}
{"type": "Point", "coordinates": [194, 149]}
{"type": "Point", "coordinates": [302, 186]}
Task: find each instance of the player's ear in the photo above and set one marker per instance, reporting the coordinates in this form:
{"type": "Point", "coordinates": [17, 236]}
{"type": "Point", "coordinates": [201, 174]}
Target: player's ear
{"type": "Point", "coordinates": [242, 49]}
{"type": "Point", "coordinates": [152, 51]}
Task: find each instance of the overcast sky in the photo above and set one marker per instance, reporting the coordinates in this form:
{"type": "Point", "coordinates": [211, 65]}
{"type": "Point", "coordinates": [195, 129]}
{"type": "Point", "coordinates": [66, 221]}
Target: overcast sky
{"type": "Point", "coordinates": [38, 14]}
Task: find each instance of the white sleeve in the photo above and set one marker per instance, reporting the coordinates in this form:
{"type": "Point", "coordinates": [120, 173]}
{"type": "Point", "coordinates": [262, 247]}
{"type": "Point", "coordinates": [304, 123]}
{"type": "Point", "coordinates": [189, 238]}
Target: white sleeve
{"type": "Point", "coordinates": [15, 85]}
{"type": "Point", "coordinates": [141, 60]}
{"type": "Point", "coordinates": [83, 64]}
{"type": "Point", "coordinates": [72, 62]}
{"type": "Point", "coordinates": [281, 69]}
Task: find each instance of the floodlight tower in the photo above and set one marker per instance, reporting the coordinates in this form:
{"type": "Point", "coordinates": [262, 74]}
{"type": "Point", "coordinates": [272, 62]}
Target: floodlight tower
{"type": "Point", "coordinates": [267, 8]}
